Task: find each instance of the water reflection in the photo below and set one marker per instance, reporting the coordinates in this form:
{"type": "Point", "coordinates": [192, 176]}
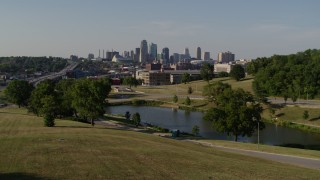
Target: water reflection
{"type": "Point", "coordinates": [185, 120]}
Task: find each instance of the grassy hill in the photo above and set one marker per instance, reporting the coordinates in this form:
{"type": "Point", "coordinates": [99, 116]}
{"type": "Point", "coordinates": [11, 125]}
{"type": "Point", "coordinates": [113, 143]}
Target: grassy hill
{"type": "Point", "coordinates": [73, 150]}
{"type": "Point", "coordinates": [197, 86]}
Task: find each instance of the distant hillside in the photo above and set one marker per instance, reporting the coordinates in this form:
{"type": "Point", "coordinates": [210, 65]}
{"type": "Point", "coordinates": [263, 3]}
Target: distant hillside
{"type": "Point", "coordinates": [25, 65]}
{"type": "Point", "coordinates": [290, 76]}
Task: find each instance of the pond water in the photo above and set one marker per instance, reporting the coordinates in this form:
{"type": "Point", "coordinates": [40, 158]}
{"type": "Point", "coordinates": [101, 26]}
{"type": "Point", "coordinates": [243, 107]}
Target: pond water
{"type": "Point", "coordinates": [185, 120]}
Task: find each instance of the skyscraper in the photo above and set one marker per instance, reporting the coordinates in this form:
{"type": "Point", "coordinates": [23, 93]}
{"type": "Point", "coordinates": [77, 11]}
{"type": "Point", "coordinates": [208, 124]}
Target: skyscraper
{"type": "Point", "coordinates": [198, 53]}
{"type": "Point", "coordinates": [137, 55]}
{"type": "Point", "coordinates": [153, 51]}
{"type": "Point", "coordinates": [165, 54]}
{"type": "Point", "coordinates": [143, 51]}
{"type": "Point", "coordinates": [206, 56]}
{"type": "Point", "coordinates": [186, 53]}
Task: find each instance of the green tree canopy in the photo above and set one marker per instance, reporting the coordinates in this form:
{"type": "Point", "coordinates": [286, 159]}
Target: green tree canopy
{"type": "Point", "coordinates": [236, 113]}
{"type": "Point", "coordinates": [18, 92]}
{"type": "Point", "coordinates": [43, 89]}
{"type": "Point", "coordinates": [291, 76]}
{"type": "Point", "coordinates": [130, 81]}
{"type": "Point", "coordinates": [206, 72]}
{"type": "Point", "coordinates": [186, 78]}
{"type": "Point", "coordinates": [89, 97]}
{"type": "Point", "coordinates": [211, 91]}
{"type": "Point", "coordinates": [237, 72]}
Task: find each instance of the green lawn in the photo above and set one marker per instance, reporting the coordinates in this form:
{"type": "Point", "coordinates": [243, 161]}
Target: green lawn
{"type": "Point", "coordinates": [295, 114]}
{"type": "Point", "coordinates": [73, 150]}
{"type": "Point", "coordinates": [197, 86]}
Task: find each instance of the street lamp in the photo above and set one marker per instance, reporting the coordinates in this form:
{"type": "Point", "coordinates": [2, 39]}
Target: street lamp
{"type": "Point", "coordinates": [255, 119]}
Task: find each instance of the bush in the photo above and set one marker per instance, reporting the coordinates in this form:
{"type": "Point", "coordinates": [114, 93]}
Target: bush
{"type": "Point", "coordinates": [49, 120]}
{"type": "Point", "coordinates": [175, 98]}
{"type": "Point", "coordinates": [188, 101]}
{"type": "Point", "coordinates": [223, 74]}
{"type": "Point", "coordinates": [136, 119]}
{"type": "Point", "coordinates": [305, 114]}
{"type": "Point", "coordinates": [137, 102]}
{"type": "Point", "coordinates": [195, 130]}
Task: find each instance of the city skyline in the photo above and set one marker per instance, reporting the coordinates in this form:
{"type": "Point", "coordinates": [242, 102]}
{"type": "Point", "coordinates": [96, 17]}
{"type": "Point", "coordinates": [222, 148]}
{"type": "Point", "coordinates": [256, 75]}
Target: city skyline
{"type": "Point", "coordinates": [249, 29]}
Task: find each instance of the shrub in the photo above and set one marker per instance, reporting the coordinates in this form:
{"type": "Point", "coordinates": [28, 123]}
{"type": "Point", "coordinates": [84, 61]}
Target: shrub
{"type": "Point", "coordinates": [49, 120]}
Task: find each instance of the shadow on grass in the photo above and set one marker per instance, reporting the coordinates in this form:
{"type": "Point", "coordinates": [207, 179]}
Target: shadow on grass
{"type": "Point", "coordinates": [71, 127]}
{"type": "Point", "coordinates": [18, 113]}
{"type": "Point", "coordinates": [18, 176]}
{"type": "Point", "coordinates": [315, 119]}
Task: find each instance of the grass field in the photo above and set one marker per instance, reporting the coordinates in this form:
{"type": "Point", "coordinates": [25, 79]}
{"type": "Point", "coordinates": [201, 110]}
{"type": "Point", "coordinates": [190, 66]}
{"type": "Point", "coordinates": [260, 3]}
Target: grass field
{"type": "Point", "coordinates": [197, 86]}
{"type": "Point", "coordinates": [73, 150]}
{"type": "Point", "coordinates": [295, 114]}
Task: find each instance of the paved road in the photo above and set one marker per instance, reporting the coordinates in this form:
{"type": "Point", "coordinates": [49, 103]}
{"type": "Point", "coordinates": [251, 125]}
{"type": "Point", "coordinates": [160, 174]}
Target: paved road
{"type": "Point", "coordinates": [295, 160]}
{"type": "Point", "coordinates": [72, 66]}
{"type": "Point", "coordinates": [300, 102]}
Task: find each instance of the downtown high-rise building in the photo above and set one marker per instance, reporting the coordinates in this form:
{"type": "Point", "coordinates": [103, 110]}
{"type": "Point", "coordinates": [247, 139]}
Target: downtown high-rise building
{"type": "Point", "coordinates": [143, 51]}
{"type": "Point", "coordinates": [165, 54]}
{"type": "Point", "coordinates": [136, 55]}
{"type": "Point", "coordinates": [198, 53]}
{"type": "Point", "coordinates": [225, 57]}
{"type": "Point", "coordinates": [187, 53]}
{"type": "Point", "coordinates": [206, 56]}
{"type": "Point", "coordinates": [153, 52]}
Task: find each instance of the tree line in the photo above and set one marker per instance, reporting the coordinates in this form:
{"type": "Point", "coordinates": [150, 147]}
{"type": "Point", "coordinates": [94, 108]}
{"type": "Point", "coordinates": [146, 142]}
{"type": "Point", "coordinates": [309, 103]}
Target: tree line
{"type": "Point", "coordinates": [24, 64]}
{"type": "Point", "coordinates": [82, 98]}
{"type": "Point", "coordinates": [288, 76]}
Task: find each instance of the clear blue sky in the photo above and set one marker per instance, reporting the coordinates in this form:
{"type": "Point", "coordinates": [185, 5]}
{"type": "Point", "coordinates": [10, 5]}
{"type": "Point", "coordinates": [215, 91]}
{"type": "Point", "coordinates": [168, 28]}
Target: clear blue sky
{"type": "Point", "coordinates": [248, 28]}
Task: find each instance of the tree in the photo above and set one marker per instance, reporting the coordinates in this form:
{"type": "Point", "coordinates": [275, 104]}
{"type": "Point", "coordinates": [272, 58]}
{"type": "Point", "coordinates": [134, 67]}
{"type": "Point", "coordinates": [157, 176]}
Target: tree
{"type": "Point", "coordinates": [48, 109]}
{"type": "Point", "coordinates": [190, 90]}
{"type": "Point", "coordinates": [305, 114]}
{"type": "Point", "coordinates": [18, 92]}
{"type": "Point", "coordinates": [188, 101]}
{"type": "Point", "coordinates": [130, 81]}
{"type": "Point", "coordinates": [136, 119]}
{"type": "Point", "coordinates": [237, 72]}
{"type": "Point", "coordinates": [43, 89]}
{"type": "Point", "coordinates": [64, 93]}
{"type": "Point", "coordinates": [186, 78]}
{"type": "Point", "coordinates": [88, 97]}
{"type": "Point", "coordinates": [175, 98]}
{"type": "Point", "coordinates": [195, 130]}
{"type": "Point", "coordinates": [206, 72]}
{"type": "Point", "coordinates": [127, 115]}
{"type": "Point", "coordinates": [223, 74]}
{"type": "Point", "coordinates": [236, 113]}
{"type": "Point", "coordinates": [214, 89]}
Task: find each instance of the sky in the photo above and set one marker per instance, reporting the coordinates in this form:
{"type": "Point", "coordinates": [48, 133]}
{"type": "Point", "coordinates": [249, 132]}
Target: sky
{"type": "Point", "coordinates": [247, 28]}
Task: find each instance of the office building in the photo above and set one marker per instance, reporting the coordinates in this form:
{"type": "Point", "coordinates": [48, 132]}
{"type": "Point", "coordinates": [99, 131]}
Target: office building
{"type": "Point", "coordinates": [198, 53]}
{"type": "Point", "coordinates": [136, 55]}
{"type": "Point", "coordinates": [165, 55]}
{"type": "Point", "coordinates": [153, 51]}
{"type": "Point", "coordinates": [206, 56]}
{"type": "Point", "coordinates": [143, 51]}
{"type": "Point", "coordinates": [226, 57]}
{"type": "Point", "coordinates": [187, 53]}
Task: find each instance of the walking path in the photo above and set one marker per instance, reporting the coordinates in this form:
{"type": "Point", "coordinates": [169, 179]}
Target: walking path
{"type": "Point", "coordinates": [289, 159]}
{"type": "Point", "coordinates": [295, 160]}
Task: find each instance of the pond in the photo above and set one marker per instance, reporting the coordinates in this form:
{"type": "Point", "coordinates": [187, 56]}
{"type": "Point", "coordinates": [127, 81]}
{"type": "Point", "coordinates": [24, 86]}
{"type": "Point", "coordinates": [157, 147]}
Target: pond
{"type": "Point", "coordinates": [185, 120]}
